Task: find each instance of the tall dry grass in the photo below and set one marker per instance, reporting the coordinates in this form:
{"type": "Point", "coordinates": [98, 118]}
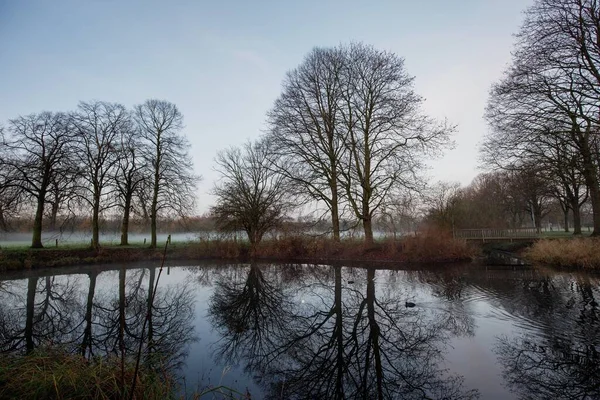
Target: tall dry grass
{"type": "Point", "coordinates": [428, 247]}
{"type": "Point", "coordinates": [56, 374]}
{"type": "Point", "coordinates": [436, 247]}
{"type": "Point", "coordinates": [571, 253]}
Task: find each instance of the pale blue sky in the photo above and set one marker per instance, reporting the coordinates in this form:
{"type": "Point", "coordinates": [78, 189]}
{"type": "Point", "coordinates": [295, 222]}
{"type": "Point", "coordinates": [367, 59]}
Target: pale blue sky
{"type": "Point", "coordinates": [222, 62]}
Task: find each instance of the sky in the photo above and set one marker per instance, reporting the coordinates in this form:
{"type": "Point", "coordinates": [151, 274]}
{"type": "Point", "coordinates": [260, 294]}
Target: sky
{"type": "Point", "coordinates": [222, 62]}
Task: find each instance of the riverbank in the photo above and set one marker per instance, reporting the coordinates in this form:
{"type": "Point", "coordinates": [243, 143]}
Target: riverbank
{"type": "Point", "coordinates": [418, 249]}
{"type": "Point", "coordinates": [580, 253]}
{"type": "Point", "coordinates": [53, 373]}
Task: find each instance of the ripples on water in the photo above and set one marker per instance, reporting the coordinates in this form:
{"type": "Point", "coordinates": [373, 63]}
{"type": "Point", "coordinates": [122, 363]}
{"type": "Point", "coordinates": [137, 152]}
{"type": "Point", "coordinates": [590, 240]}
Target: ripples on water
{"type": "Point", "coordinates": [306, 331]}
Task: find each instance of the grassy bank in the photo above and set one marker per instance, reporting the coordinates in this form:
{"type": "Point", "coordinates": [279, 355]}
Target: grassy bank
{"type": "Point", "coordinates": [569, 253]}
{"type": "Point", "coordinates": [24, 258]}
{"type": "Point", "coordinates": [422, 249]}
{"type": "Point", "coordinates": [55, 374]}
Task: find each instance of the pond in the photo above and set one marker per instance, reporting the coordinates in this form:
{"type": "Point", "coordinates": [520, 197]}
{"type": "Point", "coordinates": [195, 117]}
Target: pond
{"type": "Point", "coordinates": [316, 331]}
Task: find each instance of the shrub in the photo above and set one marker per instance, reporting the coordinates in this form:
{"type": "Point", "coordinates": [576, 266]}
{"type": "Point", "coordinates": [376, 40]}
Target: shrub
{"type": "Point", "coordinates": [573, 253]}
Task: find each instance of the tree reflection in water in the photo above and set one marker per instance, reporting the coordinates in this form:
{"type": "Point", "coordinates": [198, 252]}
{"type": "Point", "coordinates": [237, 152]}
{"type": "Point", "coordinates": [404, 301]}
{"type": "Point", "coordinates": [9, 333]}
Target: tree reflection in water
{"type": "Point", "coordinates": [61, 310]}
{"type": "Point", "coordinates": [562, 362]}
{"type": "Point", "coordinates": [333, 340]}
{"type": "Point", "coordinates": [46, 314]}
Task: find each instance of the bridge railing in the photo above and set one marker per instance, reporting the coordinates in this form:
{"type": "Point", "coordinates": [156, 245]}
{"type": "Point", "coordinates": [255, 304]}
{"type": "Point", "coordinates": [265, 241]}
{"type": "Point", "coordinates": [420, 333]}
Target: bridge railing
{"type": "Point", "coordinates": [483, 234]}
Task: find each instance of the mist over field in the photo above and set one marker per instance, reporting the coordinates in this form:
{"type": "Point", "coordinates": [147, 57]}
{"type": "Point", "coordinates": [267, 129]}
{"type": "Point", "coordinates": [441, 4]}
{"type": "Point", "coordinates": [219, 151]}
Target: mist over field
{"type": "Point", "coordinates": [72, 238]}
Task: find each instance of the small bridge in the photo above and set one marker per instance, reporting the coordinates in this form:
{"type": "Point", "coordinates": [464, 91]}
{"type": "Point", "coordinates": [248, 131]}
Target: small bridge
{"type": "Point", "coordinates": [497, 234]}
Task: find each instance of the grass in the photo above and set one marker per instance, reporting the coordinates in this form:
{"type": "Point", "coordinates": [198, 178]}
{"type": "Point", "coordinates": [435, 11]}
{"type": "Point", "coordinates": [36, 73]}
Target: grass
{"type": "Point", "coordinates": [571, 253]}
{"type": "Point", "coordinates": [55, 374]}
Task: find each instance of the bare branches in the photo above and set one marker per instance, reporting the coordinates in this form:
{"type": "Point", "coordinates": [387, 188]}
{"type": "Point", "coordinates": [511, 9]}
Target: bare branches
{"type": "Point", "coordinates": [305, 129]}
{"type": "Point", "coordinates": [387, 133]}
{"type": "Point", "coordinates": [348, 127]}
{"type": "Point", "coordinates": [97, 157]}
{"type": "Point", "coordinates": [99, 126]}
{"type": "Point", "coordinates": [40, 148]}
{"type": "Point", "coordinates": [166, 153]}
{"type": "Point", "coordinates": [250, 195]}
{"type": "Point", "coordinates": [547, 103]}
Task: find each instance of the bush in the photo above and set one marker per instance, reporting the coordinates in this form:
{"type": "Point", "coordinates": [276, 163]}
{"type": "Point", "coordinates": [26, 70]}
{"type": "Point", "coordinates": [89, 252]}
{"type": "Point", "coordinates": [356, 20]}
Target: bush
{"type": "Point", "coordinates": [572, 253]}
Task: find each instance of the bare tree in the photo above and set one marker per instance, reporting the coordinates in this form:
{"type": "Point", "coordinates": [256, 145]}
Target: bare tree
{"type": "Point", "coordinates": [553, 85]}
{"type": "Point", "coordinates": [129, 177]}
{"type": "Point", "coordinates": [39, 149]}
{"type": "Point", "coordinates": [305, 127]}
{"type": "Point", "coordinates": [443, 201]}
{"type": "Point", "coordinates": [387, 134]}
{"type": "Point", "coordinates": [166, 152]}
{"type": "Point", "coordinates": [99, 126]}
{"type": "Point", "coordinates": [531, 183]}
{"type": "Point", "coordinates": [400, 214]}
{"type": "Point", "coordinates": [11, 194]}
{"type": "Point", "coordinates": [250, 195]}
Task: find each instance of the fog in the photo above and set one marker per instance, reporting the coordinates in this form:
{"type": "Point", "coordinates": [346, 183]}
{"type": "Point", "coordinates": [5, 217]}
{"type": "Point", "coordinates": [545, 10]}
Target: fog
{"type": "Point", "coordinates": [106, 238]}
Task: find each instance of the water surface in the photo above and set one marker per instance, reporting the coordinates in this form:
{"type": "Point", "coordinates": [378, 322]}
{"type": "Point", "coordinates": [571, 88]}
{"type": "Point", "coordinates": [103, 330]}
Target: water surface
{"type": "Point", "coordinates": [317, 331]}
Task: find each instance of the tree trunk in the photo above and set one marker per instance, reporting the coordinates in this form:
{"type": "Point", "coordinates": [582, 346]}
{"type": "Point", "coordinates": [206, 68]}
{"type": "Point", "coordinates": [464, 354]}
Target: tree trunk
{"type": "Point", "coordinates": [154, 206]}
{"type": "Point", "coordinates": [30, 307]}
{"type": "Point", "coordinates": [590, 174]}
{"type": "Point", "coordinates": [576, 218]}
{"type": "Point", "coordinates": [537, 215]}
{"type": "Point", "coordinates": [566, 215]}
{"type": "Point", "coordinates": [368, 227]}
{"type": "Point", "coordinates": [96, 222]}
{"type": "Point", "coordinates": [125, 223]}
{"type": "Point", "coordinates": [36, 241]}
{"type": "Point", "coordinates": [54, 214]}
{"type": "Point", "coordinates": [3, 223]}
{"type": "Point", "coordinates": [335, 217]}
{"type": "Point", "coordinates": [335, 221]}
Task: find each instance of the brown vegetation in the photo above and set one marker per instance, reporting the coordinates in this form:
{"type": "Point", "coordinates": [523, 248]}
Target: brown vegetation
{"type": "Point", "coordinates": [572, 253]}
{"type": "Point", "coordinates": [427, 247]}
{"type": "Point", "coordinates": [55, 374]}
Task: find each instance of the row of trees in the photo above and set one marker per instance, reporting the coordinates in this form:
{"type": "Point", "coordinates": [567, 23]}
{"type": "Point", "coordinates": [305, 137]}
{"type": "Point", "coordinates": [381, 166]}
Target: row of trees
{"type": "Point", "coordinates": [346, 133]}
{"type": "Point", "coordinates": [544, 112]}
{"type": "Point", "coordinates": [98, 157]}
{"type": "Point", "coordinates": [505, 199]}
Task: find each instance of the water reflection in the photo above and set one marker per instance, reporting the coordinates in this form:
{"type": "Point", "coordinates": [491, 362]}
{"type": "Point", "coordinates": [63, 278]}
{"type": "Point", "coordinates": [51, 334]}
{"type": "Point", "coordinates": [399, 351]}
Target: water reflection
{"type": "Point", "coordinates": [563, 360]}
{"type": "Point", "coordinates": [328, 339]}
{"type": "Point", "coordinates": [69, 312]}
{"type": "Point", "coordinates": [313, 331]}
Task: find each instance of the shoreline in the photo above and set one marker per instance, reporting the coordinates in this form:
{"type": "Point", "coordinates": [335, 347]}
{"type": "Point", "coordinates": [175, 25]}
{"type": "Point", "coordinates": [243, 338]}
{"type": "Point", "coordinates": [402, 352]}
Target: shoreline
{"type": "Point", "coordinates": [315, 252]}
